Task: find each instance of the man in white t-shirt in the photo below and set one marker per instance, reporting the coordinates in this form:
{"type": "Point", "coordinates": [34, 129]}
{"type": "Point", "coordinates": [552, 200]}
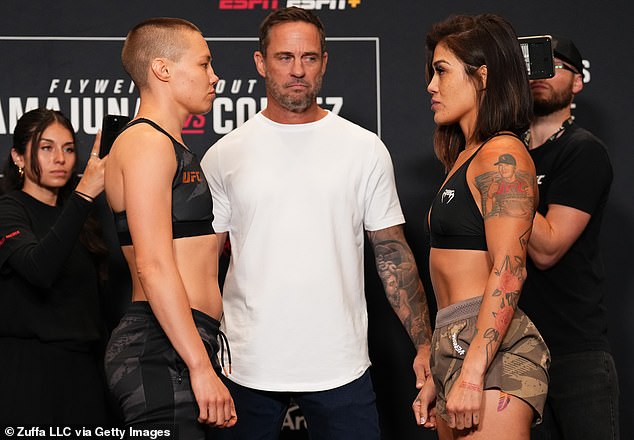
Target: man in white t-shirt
{"type": "Point", "coordinates": [295, 187]}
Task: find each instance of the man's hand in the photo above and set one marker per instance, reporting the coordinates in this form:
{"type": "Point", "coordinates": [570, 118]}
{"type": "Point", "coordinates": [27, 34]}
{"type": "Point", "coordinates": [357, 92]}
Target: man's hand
{"type": "Point", "coordinates": [421, 366]}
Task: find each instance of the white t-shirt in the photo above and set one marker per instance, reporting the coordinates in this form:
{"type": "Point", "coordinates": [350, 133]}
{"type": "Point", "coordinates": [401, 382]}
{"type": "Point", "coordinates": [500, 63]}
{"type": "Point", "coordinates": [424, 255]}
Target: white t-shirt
{"type": "Point", "coordinates": [295, 200]}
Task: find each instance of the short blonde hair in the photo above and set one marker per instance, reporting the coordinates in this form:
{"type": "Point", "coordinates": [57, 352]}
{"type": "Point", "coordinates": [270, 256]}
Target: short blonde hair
{"type": "Point", "coordinates": [153, 38]}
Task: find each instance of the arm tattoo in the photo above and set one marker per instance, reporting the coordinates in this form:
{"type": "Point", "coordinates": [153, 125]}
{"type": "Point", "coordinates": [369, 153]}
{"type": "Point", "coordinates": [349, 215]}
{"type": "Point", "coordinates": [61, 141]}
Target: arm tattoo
{"type": "Point", "coordinates": [510, 283]}
{"type": "Point", "coordinates": [492, 336]}
{"type": "Point", "coordinates": [525, 237]}
{"type": "Point", "coordinates": [470, 386]}
{"type": "Point", "coordinates": [403, 287]}
{"type": "Point", "coordinates": [511, 277]}
{"type": "Point", "coordinates": [507, 192]}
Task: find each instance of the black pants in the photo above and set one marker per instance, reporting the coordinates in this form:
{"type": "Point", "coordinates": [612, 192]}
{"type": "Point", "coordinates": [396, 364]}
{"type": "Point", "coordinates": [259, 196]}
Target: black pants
{"type": "Point", "coordinates": [149, 379]}
{"type": "Point", "coordinates": [583, 398]}
{"type": "Point", "coordinates": [49, 384]}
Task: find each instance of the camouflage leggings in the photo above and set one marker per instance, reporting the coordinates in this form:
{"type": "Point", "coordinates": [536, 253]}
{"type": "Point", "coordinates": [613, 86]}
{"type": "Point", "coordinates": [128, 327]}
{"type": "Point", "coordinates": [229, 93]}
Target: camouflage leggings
{"type": "Point", "coordinates": [149, 379]}
{"type": "Point", "coordinates": [519, 368]}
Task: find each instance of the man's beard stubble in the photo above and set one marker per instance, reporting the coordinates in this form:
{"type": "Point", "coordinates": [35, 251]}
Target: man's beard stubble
{"type": "Point", "coordinates": [558, 101]}
{"type": "Point", "coordinates": [295, 104]}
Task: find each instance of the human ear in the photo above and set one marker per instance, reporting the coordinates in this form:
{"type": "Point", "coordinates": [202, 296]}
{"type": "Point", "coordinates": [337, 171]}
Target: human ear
{"type": "Point", "coordinates": [482, 74]}
{"type": "Point", "coordinates": [324, 58]}
{"type": "Point", "coordinates": [260, 65]}
{"type": "Point", "coordinates": [577, 83]}
{"type": "Point", "coordinates": [17, 158]}
{"type": "Point", "coordinates": [160, 69]}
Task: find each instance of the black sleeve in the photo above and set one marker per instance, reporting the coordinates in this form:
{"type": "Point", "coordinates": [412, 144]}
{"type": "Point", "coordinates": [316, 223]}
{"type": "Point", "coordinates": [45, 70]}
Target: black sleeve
{"type": "Point", "coordinates": [39, 261]}
{"type": "Point", "coordinates": [583, 176]}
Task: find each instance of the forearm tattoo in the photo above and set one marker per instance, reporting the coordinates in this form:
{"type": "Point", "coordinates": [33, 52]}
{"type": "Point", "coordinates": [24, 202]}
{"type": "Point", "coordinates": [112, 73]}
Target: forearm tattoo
{"type": "Point", "coordinates": [525, 237]}
{"type": "Point", "coordinates": [511, 278]}
{"type": "Point", "coordinates": [403, 287]}
{"type": "Point", "coordinates": [507, 191]}
{"type": "Point", "coordinates": [511, 275]}
{"type": "Point", "coordinates": [492, 336]}
{"type": "Point", "coordinates": [470, 386]}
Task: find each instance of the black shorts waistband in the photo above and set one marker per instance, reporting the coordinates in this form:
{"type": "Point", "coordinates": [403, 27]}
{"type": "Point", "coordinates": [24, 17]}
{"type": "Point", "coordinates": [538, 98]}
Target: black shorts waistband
{"type": "Point", "coordinates": [143, 309]}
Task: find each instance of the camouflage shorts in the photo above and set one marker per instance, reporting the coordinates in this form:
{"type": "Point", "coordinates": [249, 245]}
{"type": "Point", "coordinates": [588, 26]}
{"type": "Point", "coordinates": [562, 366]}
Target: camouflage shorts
{"type": "Point", "coordinates": [147, 377]}
{"type": "Point", "coordinates": [519, 368]}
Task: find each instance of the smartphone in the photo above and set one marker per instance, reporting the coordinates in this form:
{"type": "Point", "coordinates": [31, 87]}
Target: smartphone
{"type": "Point", "coordinates": [538, 56]}
{"type": "Point", "coordinates": [110, 128]}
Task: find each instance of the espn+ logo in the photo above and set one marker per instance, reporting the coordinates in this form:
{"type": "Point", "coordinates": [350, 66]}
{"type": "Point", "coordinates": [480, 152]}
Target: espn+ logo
{"type": "Point", "coordinates": [274, 4]}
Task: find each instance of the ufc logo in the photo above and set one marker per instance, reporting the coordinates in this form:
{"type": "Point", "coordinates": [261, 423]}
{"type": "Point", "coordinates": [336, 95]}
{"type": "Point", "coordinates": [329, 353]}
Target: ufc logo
{"type": "Point", "coordinates": [191, 176]}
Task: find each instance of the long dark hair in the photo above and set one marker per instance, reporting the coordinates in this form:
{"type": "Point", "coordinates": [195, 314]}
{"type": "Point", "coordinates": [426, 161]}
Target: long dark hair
{"type": "Point", "coordinates": [29, 129]}
{"type": "Point", "coordinates": [506, 104]}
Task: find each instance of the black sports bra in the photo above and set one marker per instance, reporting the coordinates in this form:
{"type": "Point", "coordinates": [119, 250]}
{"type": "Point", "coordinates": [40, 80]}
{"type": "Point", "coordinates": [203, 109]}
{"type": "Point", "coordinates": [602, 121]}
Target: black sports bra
{"type": "Point", "coordinates": [192, 206]}
{"type": "Point", "coordinates": [455, 221]}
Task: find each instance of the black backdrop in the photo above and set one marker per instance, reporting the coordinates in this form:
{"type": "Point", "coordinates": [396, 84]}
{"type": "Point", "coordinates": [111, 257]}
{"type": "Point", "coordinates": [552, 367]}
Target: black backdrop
{"type": "Point", "coordinates": [62, 53]}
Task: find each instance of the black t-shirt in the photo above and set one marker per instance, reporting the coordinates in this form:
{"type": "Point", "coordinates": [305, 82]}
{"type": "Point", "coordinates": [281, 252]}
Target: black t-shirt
{"type": "Point", "coordinates": [567, 301]}
{"type": "Point", "coordinates": [48, 282]}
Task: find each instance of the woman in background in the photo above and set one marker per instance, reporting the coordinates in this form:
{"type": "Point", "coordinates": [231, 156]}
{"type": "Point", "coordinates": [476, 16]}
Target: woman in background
{"type": "Point", "coordinates": [50, 325]}
{"type": "Point", "coordinates": [488, 362]}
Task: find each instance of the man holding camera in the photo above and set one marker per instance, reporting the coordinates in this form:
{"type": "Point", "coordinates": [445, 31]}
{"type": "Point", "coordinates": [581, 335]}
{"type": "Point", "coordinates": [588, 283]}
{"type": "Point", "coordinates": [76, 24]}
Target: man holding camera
{"type": "Point", "coordinates": [564, 293]}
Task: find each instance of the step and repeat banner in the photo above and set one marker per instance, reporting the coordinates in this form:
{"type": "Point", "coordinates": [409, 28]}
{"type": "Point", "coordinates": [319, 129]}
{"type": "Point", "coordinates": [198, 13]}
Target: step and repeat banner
{"type": "Point", "coordinates": [66, 55]}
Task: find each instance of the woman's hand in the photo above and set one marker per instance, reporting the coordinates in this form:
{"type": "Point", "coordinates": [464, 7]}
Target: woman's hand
{"type": "Point", "coordinates": [464, 402]}
{"type": "Point", "coordinates": [424, 406]}
{"type": "Point", "coordinates": [215, 404]}
{"type": "Point", "coordinates": [92, 182]}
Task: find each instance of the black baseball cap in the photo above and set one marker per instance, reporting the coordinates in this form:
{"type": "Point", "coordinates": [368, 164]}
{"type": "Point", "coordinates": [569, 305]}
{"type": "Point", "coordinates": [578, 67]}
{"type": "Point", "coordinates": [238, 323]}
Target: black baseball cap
{"type": "Point", "coordinates": [565, 50]}
{"type": "Point", "coordinates": [507, 159]}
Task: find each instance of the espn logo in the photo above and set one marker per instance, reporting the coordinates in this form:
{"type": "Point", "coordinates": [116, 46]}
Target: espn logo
{"type": "Point", "coordinates": [248, 4]}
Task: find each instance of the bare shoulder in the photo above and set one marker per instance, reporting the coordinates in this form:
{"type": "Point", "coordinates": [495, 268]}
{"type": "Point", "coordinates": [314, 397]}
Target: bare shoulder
{"type": "Point", "coordinates": [142, 147]}
{"type": "Point", "coordinates": [503, 174]}
{"type": "Point", "coordinates": [504, 149]}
